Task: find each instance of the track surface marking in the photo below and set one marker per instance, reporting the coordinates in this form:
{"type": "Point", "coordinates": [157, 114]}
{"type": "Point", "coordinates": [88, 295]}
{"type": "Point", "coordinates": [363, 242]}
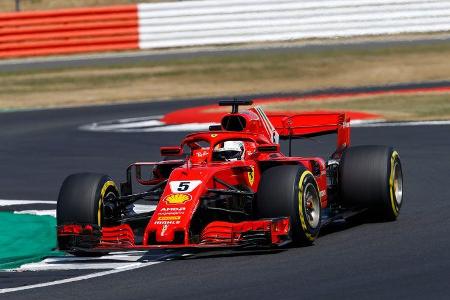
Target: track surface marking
{"type": "Point", "coordinates": [406, 259]}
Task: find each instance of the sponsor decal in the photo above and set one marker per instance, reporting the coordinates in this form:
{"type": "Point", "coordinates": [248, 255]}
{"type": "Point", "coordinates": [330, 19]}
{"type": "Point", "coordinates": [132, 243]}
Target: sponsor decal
{"type": "Point", "coordinates": [177, 198]}
{"type": "Point", "coordinates": [178, 209]}
{"type": "Point", "coordinates": [169, 213]}
{"type": "Point", "coordinates": [164, 229]}
{"type": "Point", "coordinates": [167, 222]}
{"type": "Point", "coordinates": [172, 211]}
{"type": "Point", "coordinates": [201, 154]}
{"type": "Point", "coordinates": [251, 176]}
{"type": "Point", "coordinates": [186, 186]}
{"type": "Point", "coordinates": [169, 218]}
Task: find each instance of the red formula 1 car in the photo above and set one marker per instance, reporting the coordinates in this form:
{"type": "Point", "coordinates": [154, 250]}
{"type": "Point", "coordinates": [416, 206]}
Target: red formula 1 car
{"type": "Point", "coordinates": [232, 187]}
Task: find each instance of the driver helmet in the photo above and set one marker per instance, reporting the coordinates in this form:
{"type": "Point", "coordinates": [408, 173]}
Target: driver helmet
{"type": "Point", "coordinates": [229, 151]}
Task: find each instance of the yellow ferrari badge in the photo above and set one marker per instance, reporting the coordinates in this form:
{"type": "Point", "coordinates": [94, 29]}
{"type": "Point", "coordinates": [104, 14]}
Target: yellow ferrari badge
{"type": "Point", "coordinates": [251, 176]}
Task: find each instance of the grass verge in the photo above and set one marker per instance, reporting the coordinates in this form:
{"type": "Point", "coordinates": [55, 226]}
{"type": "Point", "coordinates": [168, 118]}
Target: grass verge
{"type": "Point", "coordinates": [25, 239]}
{"type": "Point", "coordinates": [232, 74]}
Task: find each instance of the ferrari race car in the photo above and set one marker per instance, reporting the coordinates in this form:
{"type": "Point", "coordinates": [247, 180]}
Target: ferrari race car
{"type": "Point", "coordinates": [232, 187]}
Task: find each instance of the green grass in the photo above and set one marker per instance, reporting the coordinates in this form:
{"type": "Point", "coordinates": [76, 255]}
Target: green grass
{"type": "Point", "coordinates": [232, 74]}
{"type": "Point", "coordinates": [25, 239]}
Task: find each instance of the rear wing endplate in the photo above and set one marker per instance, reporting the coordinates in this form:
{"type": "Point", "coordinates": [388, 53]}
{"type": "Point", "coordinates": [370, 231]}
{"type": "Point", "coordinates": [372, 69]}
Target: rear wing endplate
{"type": "Point", "coordinates": [314, 124]}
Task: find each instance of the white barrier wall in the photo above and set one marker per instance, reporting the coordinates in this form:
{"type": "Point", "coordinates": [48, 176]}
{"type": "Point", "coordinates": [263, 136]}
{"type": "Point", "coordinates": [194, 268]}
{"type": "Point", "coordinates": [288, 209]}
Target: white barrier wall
{"type": "Point", "coordinates": [207, 22]}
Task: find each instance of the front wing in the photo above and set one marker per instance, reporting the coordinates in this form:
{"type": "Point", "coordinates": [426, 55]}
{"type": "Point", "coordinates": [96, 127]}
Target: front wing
{"type": "Point", "coordinates": [217, 234]}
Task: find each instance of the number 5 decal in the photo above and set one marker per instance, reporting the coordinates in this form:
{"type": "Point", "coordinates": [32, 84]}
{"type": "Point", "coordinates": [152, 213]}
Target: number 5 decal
{"type": "Point", "coordinates": [184, 186]}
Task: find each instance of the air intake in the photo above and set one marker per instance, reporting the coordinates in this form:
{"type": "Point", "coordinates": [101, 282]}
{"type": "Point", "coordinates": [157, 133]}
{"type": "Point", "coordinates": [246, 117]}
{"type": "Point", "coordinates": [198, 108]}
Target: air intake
{"type": "Point", "coordinates": [234, 123]}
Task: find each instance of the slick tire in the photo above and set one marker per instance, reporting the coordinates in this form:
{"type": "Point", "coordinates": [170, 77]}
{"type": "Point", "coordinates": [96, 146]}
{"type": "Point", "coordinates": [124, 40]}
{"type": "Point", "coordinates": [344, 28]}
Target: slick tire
{"type": "Point", "coordinates": [291, 191]}
{"type": "Point", "coordinates": [371, 176]}
{"type": "Point", "coordinates": [80, 201]}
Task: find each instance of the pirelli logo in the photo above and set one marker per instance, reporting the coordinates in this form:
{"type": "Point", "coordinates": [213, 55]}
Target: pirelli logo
{"type": "Point", "coordinates": [169, 218]}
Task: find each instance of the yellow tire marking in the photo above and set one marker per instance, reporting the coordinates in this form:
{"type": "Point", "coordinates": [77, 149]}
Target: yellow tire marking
{"type": "Point", "coordinates": [300, 205]}
{"type": "Point", "coordinates": [105, 187]}
{"type": "Point", "coordinates": [395, 208]}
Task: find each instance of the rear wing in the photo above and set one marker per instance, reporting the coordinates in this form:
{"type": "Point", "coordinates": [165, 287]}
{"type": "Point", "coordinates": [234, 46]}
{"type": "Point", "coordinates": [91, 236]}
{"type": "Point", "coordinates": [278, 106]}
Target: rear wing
{"type": "Point", "coordinates": [314, 124]}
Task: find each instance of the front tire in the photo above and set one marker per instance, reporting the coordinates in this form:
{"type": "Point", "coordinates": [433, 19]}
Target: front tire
{"type": "Point", "coordinates": [371, 176]}
{"type": "Point", "coordinates": [291, 191]}
{"type": "Point", "coordinates": [80, 202]}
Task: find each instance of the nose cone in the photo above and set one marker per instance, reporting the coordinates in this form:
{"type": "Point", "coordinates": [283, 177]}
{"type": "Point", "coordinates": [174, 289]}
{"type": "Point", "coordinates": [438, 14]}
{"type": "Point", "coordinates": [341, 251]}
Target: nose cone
{"type": "Point", "coordinates": [172, 217]}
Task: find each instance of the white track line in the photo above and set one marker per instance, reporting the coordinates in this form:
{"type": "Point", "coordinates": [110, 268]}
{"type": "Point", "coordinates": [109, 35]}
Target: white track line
{"type": "Point", "coordinates": [46, 212]}
{"type": "Point", "coordinates": [4, 202]}
{"type": "Point", "coordinates": [129, 267]}
{"type": "Point", "coordinates": [138, 208]}
{"type": "Point", "coordinates": [74, 266]}
{"type": "Point", "coordinates": [111, 127]}
{"type": "Point", "coordinates": [176, 128]}
{"type": "Point", "coordinates": [123, 125]}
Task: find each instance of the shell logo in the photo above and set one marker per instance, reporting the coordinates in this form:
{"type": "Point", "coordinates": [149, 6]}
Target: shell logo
{"type": "Point", "coordinates": [177, 198]}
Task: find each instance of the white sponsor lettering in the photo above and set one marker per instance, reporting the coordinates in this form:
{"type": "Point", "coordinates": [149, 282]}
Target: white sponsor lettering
{"type": "Point", "coordinates": [167, 222]}
{"type": "Point", "coordinates": [169, 213]}
{"type": "Point", "coordinates": [174, 209]}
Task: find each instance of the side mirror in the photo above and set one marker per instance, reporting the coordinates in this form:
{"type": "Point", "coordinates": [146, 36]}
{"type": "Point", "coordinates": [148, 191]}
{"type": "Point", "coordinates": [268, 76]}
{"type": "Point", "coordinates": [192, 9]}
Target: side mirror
{"type": "Point", "coordinates": [215, 127]}
{"type": "Point", "coordinates": [268, 148]}
{"type": "Point", "coordinates": [171, 151]}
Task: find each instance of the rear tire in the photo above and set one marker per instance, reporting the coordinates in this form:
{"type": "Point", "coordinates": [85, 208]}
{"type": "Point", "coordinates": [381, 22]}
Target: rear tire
{"type": "Point", "coordinates": [371, 176]}
{"type": "Point", "coordinates": [80, 201]}
{"type": "Point", "coordinates": [291, 191]}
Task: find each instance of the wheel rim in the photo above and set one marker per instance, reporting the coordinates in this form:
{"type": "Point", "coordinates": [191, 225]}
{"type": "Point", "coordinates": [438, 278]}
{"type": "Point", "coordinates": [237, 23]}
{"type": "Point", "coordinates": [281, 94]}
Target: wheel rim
{"type": "Point", "coordinates": [398, 183]}
{"type": "Point", "coordinates": [101, 211]}
{"type": "Point", "coordinates": [311, 205]}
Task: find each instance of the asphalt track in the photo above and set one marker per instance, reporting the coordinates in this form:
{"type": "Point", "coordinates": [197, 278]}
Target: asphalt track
{"type": "Point", "coordinates": [409, 258]}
